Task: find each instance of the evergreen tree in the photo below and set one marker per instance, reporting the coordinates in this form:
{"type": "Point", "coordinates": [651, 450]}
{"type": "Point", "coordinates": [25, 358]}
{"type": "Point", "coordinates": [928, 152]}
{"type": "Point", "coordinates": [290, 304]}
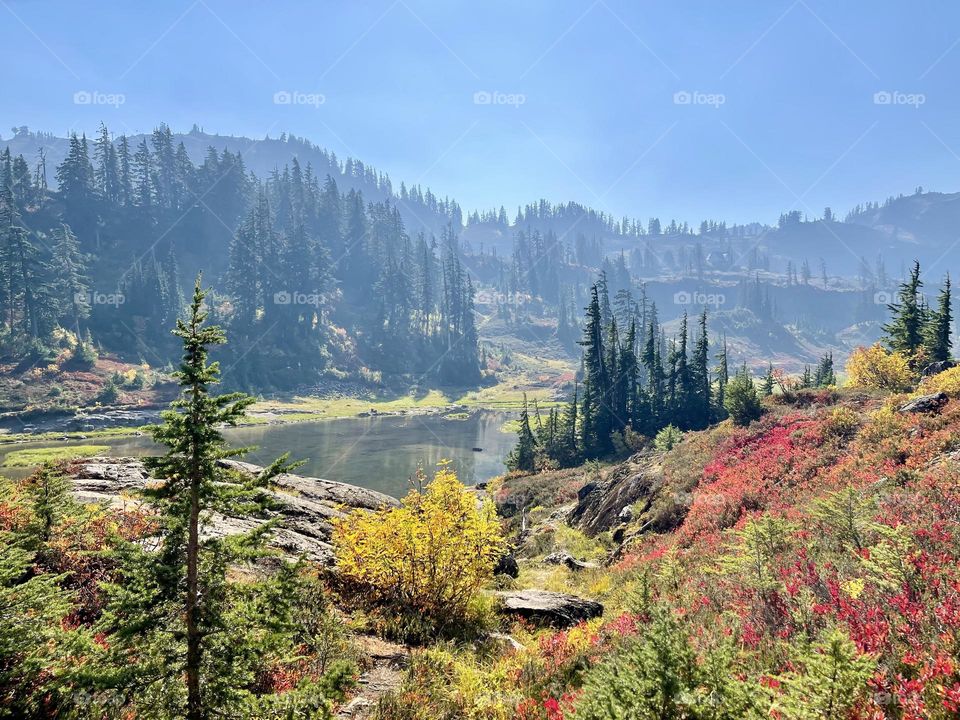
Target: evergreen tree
{"type": "Point", "coordinates": [766, 386]}
{"type": "Point", "coordinates": [597, 416]}
{"type": "Point", "coordinates": [681, 380]}
{"type": "Point", "coordinates": [184, 637]}
{"type": "Point", "coordinates": [70, 281]}
{"type": "Point", "coordinates": [741, 399]}
{"type": "Point", "coordinates": [937, 340]}
{"type": "Point", "coordinates": [905, 329]}
{"type": "Point", "coordinates": [107, 172]}
{"type": "Point", "coordinates": [142, 174]}
{"type": "Point", "coordinates": [616, 396]}
{"type": "Point", "coordinates": [723, 378]}
{"type": "Point", "coordinates": [33, 607]}
{"type": "Point", "coordinates": [828, 680]}
{"type": "Point", "coordinates": [26, 295]}
{"type": "Point", "coordinates": [630, 377]}
{"type": "Point", "coordinates": [49, 492]}
{"type": "Point", "coordinates": [700, 374]}
{"type": "Point", "coordinates": [569, 451]}
{"type": "Point", "coordinates": [523, 457]}
{"type": "Point", "coordinates": [824, 375]}
{"type": "Point", "coordinates": [75, 174]}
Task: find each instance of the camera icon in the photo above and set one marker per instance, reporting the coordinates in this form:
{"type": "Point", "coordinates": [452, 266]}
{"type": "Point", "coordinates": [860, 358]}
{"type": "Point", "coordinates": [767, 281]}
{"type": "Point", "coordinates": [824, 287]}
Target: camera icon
{"type": "Point", "coordinates": [882, 297]}
{"type": "Point", "coordinates": [884, 698]}
{"type": "Point", "coordinates": [482, 97]}
{"type": "Point", "coordinates": [282, 97]}
{"type": "Point", "coordinates": [282, 298]}
{"type": "Point", "coordinates": [82, 97]}
{"type": "Point", "coordinates": [682, 298]}
{"type": "Point", "coordinates": [682, 97]}
{"type": "Point", "coordinates": [883, 97]}
{"type": "Point", "coordinates": [81, 298]}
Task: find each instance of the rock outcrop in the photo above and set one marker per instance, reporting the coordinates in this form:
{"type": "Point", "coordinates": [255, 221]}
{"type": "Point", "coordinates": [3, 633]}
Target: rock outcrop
{"type": "Point", "coordinates": [549, 608]}
{"type": "Point", "coordinates": [604, 504]}
{"type": "Point", "coordinates": [307, 505]}
{"type": "Point", "coordinates": [925, 403]}
{"type": "Point", "coordinates": [937, 367]}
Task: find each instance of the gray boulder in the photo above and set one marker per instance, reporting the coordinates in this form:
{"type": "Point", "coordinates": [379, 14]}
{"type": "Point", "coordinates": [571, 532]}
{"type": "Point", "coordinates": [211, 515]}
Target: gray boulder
{"type": "Point", "coordinates": [507, 565]}
{"type": "Point", "coordinates": [925, 404]}
{"type": "Point", "coordinates": [937, 367]}
{"type": "Point", "coordinates": [306, 506]}
{"type": "Point", "coordinates": [563, 558]}
{"type": "Point", "coordinates": [549, 608]}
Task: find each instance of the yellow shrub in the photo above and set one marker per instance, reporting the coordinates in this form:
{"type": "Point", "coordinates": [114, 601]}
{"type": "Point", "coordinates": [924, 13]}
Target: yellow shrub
{"type": "Point", "coordinates": [948, 381]}
{"type": "Point", "coordinates": [843, 422]}
{"type": "Point", "coordinates": [884, 424]}
{"type": "Point", "coordinates": [426, 559]}
{"type": "Point", "coordinates": [875, 368]}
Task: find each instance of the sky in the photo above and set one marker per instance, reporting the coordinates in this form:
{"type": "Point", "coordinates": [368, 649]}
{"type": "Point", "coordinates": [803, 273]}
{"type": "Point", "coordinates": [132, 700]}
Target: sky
{"type": "Point", "coordinates": [733, 111]}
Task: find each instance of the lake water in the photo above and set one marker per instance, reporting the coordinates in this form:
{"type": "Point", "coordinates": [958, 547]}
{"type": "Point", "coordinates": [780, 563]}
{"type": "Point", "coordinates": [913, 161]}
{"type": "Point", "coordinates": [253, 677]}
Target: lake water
{"type": "Point", "coordinates": [380, 453]}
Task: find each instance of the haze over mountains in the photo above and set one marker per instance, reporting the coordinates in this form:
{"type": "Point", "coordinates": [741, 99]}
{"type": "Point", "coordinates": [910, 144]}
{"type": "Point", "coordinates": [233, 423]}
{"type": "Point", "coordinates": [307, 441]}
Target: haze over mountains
{"type": "Point", "coordinates": [393, 276]}
{"type": "Point", "coordinates": [917, 225]}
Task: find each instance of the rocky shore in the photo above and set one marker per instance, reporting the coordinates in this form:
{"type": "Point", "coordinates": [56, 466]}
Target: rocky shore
{"type": "Point", "coordinates": [306, 505]}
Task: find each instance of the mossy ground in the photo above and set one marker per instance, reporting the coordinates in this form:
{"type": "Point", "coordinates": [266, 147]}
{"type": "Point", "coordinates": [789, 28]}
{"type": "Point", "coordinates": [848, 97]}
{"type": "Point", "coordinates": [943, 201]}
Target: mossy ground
{"type": "Point", "coordinates": [37, 456]}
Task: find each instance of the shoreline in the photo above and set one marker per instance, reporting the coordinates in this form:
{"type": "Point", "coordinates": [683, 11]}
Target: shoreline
{"type": "Point", "coordinates": [301, 409]}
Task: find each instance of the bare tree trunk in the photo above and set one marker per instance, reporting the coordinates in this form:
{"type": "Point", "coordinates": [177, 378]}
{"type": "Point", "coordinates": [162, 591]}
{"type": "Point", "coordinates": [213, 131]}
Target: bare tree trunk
{"type": "Point", "coordinates": [194, 708]}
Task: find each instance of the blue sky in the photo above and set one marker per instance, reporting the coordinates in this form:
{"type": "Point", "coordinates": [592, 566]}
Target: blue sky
{"type": "Point", "coordinates": [736, 110]}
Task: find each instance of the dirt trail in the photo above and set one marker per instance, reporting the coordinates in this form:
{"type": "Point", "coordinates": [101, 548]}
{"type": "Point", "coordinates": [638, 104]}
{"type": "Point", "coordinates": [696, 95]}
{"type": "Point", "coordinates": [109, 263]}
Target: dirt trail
{"type": "Point", "coordinates": [385, 674]}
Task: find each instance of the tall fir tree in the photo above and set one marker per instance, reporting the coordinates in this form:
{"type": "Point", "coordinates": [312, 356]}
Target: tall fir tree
{"type": "Point", "coordinates": [905, 329]}
{"type": "Point", "coordinates": [937, 337]}
{"type": "Point", "coordinates": [179, 632]}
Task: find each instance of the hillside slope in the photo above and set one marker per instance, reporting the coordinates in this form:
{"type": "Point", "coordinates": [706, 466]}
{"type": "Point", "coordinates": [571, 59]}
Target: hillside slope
{"type": "Point", "coordinates": [806, 566]}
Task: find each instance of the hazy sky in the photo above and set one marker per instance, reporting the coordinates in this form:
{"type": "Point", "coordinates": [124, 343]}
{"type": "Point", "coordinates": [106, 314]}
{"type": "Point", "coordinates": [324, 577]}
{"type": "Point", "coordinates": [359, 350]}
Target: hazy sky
{"type": "Point", "coordinates": [733, 110]}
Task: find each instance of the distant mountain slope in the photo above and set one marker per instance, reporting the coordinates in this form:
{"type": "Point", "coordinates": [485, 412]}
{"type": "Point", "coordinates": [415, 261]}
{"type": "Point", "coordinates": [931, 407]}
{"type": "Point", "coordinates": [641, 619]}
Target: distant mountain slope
{"type": "Point", "coordinates": [925, 219]}
{"type": "Point", "coordinates": [264, 157]}
{"type": "Point", "coordinates": [840, 245]}
{"type": "Point", "coordinates": [923, 226]}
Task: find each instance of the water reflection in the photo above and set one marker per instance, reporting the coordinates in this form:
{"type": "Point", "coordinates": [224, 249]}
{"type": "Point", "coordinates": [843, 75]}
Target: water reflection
{"type": "Point", "coordinates": [381, 453]}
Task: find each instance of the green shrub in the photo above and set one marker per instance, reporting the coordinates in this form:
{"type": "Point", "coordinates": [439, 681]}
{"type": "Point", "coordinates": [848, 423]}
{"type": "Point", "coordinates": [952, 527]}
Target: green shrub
{"type": "Point", "coordinates": [109, 393]}
{"type": "Point", "coordinates": [741, 399]}
{"type": "Point", "coordinates": [84, 354]}
{"type": "Point", "coordinates": [658, 675]}
{"type": "Point", "coordinates": [830, 680]}
{"type": "Point", "coordinates": [667, 438]}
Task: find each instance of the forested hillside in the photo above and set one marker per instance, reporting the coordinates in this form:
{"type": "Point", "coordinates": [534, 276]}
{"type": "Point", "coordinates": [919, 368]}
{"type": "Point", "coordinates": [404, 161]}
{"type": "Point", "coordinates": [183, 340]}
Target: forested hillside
{"type": "Point", "coordinates": [309, 276]}
{"type": "Point", "coordinates": [328, 270]}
